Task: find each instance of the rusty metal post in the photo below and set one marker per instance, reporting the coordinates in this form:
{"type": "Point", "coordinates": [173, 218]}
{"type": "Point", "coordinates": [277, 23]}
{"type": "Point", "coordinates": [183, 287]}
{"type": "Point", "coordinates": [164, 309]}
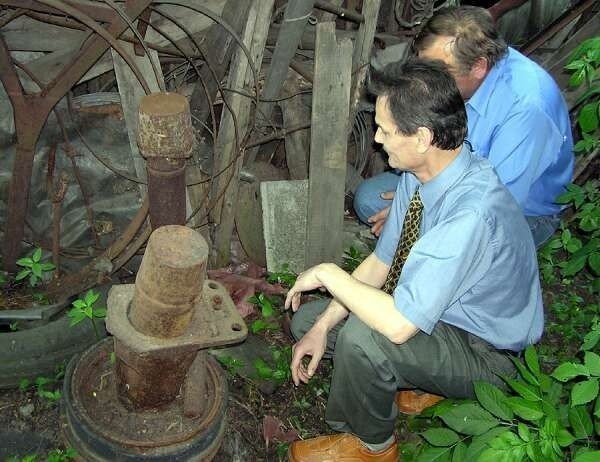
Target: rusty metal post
{"type": "Point", "coordinates": [168, 285]}
{"type": "Point", "coordinates": [165, 139]}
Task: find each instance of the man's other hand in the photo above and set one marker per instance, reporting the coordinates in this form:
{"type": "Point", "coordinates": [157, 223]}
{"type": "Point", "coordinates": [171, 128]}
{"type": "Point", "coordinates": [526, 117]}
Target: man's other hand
{"type": "Point", "coordinates": [378, 220]}
{"type": "Point", "coordinates": [312, 344]}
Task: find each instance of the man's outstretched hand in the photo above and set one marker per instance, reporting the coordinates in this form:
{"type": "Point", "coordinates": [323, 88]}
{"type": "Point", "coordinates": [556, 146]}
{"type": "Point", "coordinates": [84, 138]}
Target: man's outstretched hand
{"type": "Point", "coordinates": [305, 281]}
{"type": "Point", "coordinates": [312, 344]}
{"type": "Point", "coordinates": [378, 220]}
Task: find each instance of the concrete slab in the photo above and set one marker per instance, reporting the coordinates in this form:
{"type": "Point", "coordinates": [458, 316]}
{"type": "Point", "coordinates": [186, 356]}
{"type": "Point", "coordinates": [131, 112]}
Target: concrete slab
{"type": "Point", "coordinates": [284, 205]}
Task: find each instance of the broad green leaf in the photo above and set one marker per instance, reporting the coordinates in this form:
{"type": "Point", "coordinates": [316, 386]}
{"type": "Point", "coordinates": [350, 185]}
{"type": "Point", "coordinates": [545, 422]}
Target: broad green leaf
{"type": "Point", "coordinates": [37, 255]}
{"type": "Point", "coordinates": [440, 436]}
{"type": "Point", "coordinates": [493, 400]}
{"type": "Point", "coordinates": [597, 408]}
{"type": "Point", "coordinates": [22, 274]}
{"type": "Point", "coordinates": [480, 443]}
{"type": "Point", "coordinates": [460, 452]}
{"type": "Point", "coordinates": [524, 432]}
{"type": "Point", "coordinates": [590, 456]}
{"type": "Point", "coordinates": [581, 422]}
{"type": "Point", "coordinates": [494, 455]}
{"type": "Point", "coordinates": [524, 372]}
{"type": "Point", "coordinates": [76, 317]}
{"type": "Point", "coordinates": [533, 452]}
{"type": "Point", "coordinates": [526, 391]}
{"type": "Point", "coordinates": [36, 270]}
{"type": "Point", "coordinates": [525, 409]}
{"type": "Point", "coordinates": [87, 311]}
{"type": "Point", "coordinates": [594, 262]}
{"type": "Point", "coordinates": [573, 266]}
{"type": "Point", "coordinates": [531, 359]}
{"type": "Point", "coordinates": [25, 262]}
{"type": "Point", "coordinates": [431, 454]}
{"type": "Point", "coordinates": [505, 440]}
{"type": "Point", "coordinates": [564, 438]}
{"type": "Point", "coordinates": [47, 266]}
{"type": "Point", "coordinates": [469, 419]}
{"type": "Point", "coordinates": [588, 117]}
{"type": "Point", "coordinates": [267, 309]}
{"type": "Point", "coordinates": [549, 409]}
{"type": "Point", "coordinates": [567, 371]}
{"type": "Point", "coordinates": [592, 361]}
{"type": "Point", "coordinates": [100, 313]}
{"type": "Point", "coordinates": [264, 371]}
{"type": "Point", "coordinates": [91, 297]}
{"type": "Point", "coordinates": [590, 340]}
{"type": "Point", "coordinates": [584, 392]}
{"type": "Point", "coordinates": [79, 304]}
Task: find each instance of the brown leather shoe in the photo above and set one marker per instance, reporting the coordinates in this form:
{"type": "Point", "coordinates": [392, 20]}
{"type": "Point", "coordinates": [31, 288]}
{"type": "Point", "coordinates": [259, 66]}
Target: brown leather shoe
{"type": "Point", "coordinates": [342, 447]}
{"type": "Point", "coordinates": [412, 403]}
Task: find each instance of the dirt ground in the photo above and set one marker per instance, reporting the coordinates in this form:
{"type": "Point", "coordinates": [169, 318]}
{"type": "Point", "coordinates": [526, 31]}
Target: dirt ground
{"type": "Point", "coordinates": [261, 420]}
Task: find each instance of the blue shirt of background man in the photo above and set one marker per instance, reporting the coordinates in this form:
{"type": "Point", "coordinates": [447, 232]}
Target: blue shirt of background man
{"type": "Point", "coordinates": [474, 265]}
{"type": "Point", "coordinates": [519, 121]}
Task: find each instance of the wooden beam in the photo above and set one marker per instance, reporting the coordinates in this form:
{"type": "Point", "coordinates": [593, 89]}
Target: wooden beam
{"type": "Point", "coordinates": [327, 170]}
{"type": "Point", "coordinates": [228, 159]}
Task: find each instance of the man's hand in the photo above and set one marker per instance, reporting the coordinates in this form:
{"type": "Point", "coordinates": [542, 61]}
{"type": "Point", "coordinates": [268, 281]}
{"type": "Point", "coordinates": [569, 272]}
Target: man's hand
{"type": "Point", "coordinates": [305, 281]}
{"type": "Point", "coordinates": [378, 220]}
{"type": "Point", "coordinates": [312, 344]}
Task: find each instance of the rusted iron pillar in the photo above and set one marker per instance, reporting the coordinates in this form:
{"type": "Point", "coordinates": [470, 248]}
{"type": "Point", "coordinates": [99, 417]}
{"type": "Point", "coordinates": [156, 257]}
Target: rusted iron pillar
{"type": "Point", "coordinates": [168, 284]}
{"type": "Point", "coordinates": [165, 139]}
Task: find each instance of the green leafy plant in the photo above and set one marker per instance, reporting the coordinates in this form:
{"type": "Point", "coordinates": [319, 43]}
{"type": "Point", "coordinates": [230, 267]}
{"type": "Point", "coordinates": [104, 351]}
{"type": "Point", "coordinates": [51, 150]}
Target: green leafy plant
{"type": "Point", "coordinates": [27, 458]}
{"type": "Point", "coordinates": [285, 277]}
{"type": "Point", "coordinates": [59, 455]}
{"type": "Point", "coordinates": [279, 369]}
{"type": "Point", "coordinates": [542, 419]}
{"type": "Point", "coordinates": [351, 259]}
{"type": "Point", "coordinates": [33, 268]}
{"type": "Point", "coordinates": [42, 385]}
{"type": "Point", "coordinates": [579, 244]}
{"type": "Point", "coordinates": [85, 309]}
{"type": "Point", "coordinates": [584, 63]}
{"type": "Point", "coordinates": [267, 311]}
{"type": "Point", "coordinates": [40, 298]}
{"type": "Point", "coordinates": [231, 364]}
{"type": "Point", "coordinates": [14, 326]}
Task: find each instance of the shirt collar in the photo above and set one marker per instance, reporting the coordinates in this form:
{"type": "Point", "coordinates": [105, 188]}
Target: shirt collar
{"type": "Point", "coordinates": [434, 189]}
{"type": "Point", "coordinates": [481, 98]}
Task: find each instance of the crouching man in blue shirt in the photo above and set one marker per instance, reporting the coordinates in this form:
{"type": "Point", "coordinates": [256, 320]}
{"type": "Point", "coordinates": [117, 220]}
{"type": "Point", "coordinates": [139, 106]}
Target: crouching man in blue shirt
{"type": "Point", "coordinates": [451, 288]}
{"type": "Point", "coordinates": [517, 118]}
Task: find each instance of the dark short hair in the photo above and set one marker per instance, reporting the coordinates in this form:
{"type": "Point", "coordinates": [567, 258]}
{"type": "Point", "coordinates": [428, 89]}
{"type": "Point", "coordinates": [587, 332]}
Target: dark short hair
{"type": "Point", "coordinates": [423, 94]}
{"type": "Point", "coordinates": [474, 31]}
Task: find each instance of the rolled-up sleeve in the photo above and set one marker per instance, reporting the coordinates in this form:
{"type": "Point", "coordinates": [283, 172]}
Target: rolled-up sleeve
{"type": "Point", "coordinates": [444, 264]}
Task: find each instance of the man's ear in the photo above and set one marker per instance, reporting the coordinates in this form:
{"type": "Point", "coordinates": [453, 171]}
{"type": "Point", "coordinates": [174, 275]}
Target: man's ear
{"type": "Point", "coordinates": [479, 69]}
{"type": "Point", "coordinates": [424, 139]}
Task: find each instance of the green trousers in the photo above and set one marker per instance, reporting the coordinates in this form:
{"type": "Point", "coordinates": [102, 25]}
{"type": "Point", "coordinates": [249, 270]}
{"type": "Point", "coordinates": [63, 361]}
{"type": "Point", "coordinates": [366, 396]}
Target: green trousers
{"type": "Point", "coordinates": [369, 369]}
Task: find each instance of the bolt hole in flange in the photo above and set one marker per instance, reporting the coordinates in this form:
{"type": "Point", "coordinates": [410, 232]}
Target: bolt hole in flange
{"type": "Point", "coordinates": [236, 327]}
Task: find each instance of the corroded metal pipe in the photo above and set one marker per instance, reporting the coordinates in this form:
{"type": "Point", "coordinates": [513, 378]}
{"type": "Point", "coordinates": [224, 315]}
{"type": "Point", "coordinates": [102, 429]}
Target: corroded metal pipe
{"type": "Point", "coordinates": [165, 139]}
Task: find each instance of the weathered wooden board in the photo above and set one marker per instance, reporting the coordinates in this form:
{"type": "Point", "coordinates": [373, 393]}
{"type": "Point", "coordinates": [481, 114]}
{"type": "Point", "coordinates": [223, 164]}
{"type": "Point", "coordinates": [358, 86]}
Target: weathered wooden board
{"type": "Point", "coordinates": [228, 159]}
{"type": "Point", "coordinates": [329, 129]}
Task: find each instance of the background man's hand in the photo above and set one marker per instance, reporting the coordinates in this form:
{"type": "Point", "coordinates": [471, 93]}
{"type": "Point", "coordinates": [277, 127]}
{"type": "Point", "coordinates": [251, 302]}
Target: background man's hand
{"type": "Point", "coordinates": [312, 344]}
{"type": "Point", "coordinates": [378, 220]}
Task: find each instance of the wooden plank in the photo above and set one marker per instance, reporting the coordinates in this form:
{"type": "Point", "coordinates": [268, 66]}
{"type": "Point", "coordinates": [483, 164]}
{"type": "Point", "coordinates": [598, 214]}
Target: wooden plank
{"type": "Point", "coordinates": [297, 143]}
{"type": "Point", "coordinates": [131, 93]}
{"type": "Point", "coordinates": [225, 187]}
{"type": "Point", "coordinates": [329, 129]}
{"type": "Point", "coordinates": [362, 52]}
{"type": "Point", "coordinates": [294, 20]}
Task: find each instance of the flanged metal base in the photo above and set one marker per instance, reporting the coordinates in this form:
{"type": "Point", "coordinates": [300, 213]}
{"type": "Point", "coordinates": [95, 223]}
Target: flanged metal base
{"type": "Point", "coordinates": [100, 428]}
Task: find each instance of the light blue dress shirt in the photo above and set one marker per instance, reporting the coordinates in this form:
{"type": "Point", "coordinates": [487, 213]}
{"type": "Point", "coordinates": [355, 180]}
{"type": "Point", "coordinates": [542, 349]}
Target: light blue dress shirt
{"type": "Point", "coordinates": [474, 266]}
{"type": "Point", "coordinates": [518, 119]}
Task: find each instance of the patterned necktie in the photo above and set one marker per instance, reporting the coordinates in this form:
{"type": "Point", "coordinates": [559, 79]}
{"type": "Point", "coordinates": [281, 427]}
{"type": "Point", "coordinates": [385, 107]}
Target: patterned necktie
{"type": "Point", "coordinates": [410, 234]}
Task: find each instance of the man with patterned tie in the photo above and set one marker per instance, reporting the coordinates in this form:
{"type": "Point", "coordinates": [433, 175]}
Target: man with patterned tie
{"type": "Point", "coordinates": [451, 288]}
